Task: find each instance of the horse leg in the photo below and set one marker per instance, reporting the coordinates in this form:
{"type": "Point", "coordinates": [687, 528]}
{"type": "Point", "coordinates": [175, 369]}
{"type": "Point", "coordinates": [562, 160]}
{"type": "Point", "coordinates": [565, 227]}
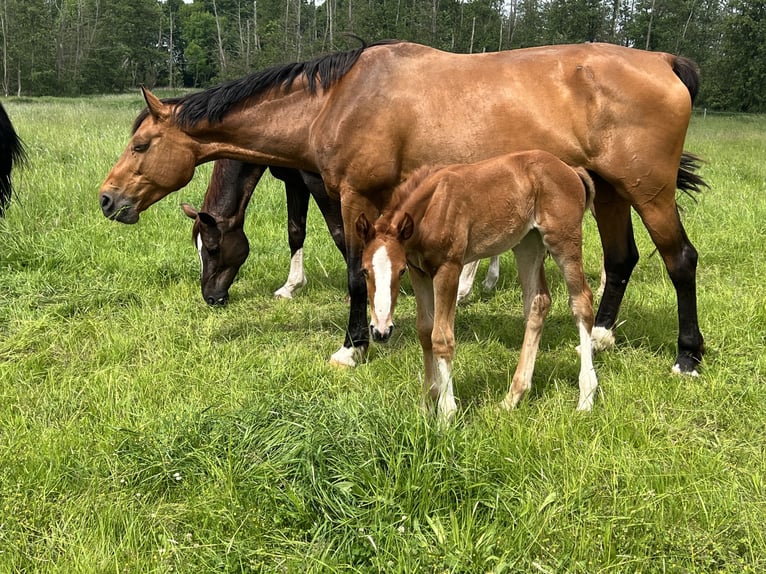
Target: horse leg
{"type": "Point", "coordinates": [530, 256]}
{"type": "Point", "coordinates": [467, 277]}
{"type": "Point", "coordinates": [493, 273]}
{"type": "Point", "coordinates": [330, 209]}
{"type": "Point", "coordinates": [445, 287]}
{"type": "Point", "coordinates": [423, 287]}
{"type": "Point", "coordinates": [612, 214]}
{"type": "Point", "coordinates": [357, 334]}
{"type": "Point", "coordinates": [664, 225]}
{"type": "Point", "coordinates": [297, 210]}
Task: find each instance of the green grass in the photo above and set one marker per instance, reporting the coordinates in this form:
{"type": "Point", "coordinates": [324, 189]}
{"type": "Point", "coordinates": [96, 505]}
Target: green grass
{"type": "Point", "coordinates": [141, 431]}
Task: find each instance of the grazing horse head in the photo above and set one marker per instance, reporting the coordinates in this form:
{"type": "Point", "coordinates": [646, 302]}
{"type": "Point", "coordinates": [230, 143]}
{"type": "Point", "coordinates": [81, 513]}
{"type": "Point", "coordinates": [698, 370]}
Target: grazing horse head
{"type": "Point", "coordinates": [11, 154]}
{"type": "Point", "coordinates": [384, 261]}
{"type": "Point", "coordinates": [158, 160]}
{"type": "Point", "coordinates": [218, 232]}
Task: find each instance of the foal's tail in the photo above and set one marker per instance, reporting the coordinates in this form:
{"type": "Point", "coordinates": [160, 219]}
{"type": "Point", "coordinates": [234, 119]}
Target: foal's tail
{"type": "Point", "coordinates": [11, 154]}
{"type": "Point", "coordinates": [687, 180]}
{"type": "Point", "coordinates": [590, 187]}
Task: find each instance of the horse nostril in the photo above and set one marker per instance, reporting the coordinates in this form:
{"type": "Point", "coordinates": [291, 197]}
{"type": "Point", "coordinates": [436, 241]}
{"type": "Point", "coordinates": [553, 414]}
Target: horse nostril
{"type": "Point", "coordinates": [210, 301]}
{"type": "Point", "coordinates": [106, 201]}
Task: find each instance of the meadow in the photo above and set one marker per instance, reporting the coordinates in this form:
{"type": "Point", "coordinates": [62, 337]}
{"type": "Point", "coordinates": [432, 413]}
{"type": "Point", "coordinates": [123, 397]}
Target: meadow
{"type": "Point", "coordinates": [143, 431]}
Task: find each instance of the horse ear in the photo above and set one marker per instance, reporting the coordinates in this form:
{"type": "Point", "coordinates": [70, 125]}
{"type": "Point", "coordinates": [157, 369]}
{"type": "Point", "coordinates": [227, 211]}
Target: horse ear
{"type": "Point", "coordinates": [155, 105]}
{"type": "Point", "coordinates": [207, 219]}
{"type": "Point", "coordinates": [189, 210]}
{"type": "Point", "coordinates": [406, 227]}
{"type": "Point", "coordinates": [364, 229]}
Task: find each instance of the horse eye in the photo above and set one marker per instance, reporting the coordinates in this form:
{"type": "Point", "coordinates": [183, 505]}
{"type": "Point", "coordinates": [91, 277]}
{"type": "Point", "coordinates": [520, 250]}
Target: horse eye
{"type": "Point", "coordinates": [365, 272]}
{"type": "Point", "coordinates": [139, 148]}
{"type": "Point", "coordinates": [401, 273]}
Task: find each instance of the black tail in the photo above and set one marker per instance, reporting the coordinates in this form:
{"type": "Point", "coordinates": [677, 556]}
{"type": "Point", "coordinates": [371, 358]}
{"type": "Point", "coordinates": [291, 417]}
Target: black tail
{"type": "Point", "coordinates": [11, 154]}
{"type": "Point", "coordinates": [687, 180]}
{"type": "Point", "coordinates": [688, 73]}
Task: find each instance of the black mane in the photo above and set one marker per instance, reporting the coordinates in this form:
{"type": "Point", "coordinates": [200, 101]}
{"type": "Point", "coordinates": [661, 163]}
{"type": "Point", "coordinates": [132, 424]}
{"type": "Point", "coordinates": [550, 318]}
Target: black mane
{"type": "Point", "coordinates": [213, 104]}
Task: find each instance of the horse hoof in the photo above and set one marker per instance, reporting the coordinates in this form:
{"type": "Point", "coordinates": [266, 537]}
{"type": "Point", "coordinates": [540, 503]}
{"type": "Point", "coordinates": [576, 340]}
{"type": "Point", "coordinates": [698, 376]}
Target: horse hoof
{"type": "Point", "coordinates": [602, 339]}
{"type": "Point", "coordinates": [347, 357]}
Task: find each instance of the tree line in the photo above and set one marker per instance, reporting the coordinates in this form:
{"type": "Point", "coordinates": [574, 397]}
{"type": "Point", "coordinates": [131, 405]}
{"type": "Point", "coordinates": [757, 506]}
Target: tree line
{"type": "Point", "coordinates": [76, 47]}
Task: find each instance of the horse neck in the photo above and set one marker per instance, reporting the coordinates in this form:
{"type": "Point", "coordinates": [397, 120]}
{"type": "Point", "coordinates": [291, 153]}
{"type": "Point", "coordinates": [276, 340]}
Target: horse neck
{"type": "Point", "coordinates": [230, 188]}
{"type": "Point", "coordinates": [274, 130]}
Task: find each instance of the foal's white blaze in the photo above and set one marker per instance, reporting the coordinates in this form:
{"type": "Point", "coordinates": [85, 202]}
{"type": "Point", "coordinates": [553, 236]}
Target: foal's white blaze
{"type": "Point", "coordinates": [381, 304]}
{"type": "Point", "coordinates": [199, 252]}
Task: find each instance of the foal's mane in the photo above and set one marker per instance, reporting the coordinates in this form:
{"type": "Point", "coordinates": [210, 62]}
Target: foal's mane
{"type": "Point", "coordinates": [402, 193]}
{"type": "Point", "coordinates": [213, 104]}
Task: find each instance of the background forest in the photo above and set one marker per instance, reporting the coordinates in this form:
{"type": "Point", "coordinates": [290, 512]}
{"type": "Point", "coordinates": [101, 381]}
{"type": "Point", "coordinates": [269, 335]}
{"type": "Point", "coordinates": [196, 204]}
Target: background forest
{"type": "Point", "coordinates": [75, 47]}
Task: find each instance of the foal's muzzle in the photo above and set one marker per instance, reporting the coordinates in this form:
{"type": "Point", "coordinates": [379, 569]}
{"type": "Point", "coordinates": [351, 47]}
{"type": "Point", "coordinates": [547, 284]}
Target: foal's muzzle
{"type": "Point", "coordinates": [380, 337]}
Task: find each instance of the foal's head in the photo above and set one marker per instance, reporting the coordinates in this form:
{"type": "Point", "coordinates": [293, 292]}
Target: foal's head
{"type": "Point", "coordinates": [384, 261]}
{"type": "Point", "coordinates": [223, 248]}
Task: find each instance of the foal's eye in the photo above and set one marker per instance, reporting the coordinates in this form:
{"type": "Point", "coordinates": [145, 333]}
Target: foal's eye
{"type": "Point", "coordinates": [401, 273]}
{"type": "Point", "coordinates": [365, 272]}
{"type": "Point", "coordinates": [140, 148]}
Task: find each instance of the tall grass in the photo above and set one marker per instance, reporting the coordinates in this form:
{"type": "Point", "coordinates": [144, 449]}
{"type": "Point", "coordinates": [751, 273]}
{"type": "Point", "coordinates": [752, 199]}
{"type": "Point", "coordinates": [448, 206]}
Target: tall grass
{"type": "Point", "coordinates": [141, 431]}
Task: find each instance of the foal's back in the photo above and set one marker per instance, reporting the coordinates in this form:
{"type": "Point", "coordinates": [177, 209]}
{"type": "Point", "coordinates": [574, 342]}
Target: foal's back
{"type": "Point", "coordinates": [473, 211]}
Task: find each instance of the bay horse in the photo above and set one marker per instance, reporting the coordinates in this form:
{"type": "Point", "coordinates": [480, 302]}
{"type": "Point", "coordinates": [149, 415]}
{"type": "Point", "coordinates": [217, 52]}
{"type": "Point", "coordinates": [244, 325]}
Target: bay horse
{"type": "Point", "coordinates": [12, 154]}
{"type": "Point", "coordinates": [218, 232]}
{"type": "Point", "coordinates": [365, 119]}
{"type": "Point", "coordinates": [530, 202]}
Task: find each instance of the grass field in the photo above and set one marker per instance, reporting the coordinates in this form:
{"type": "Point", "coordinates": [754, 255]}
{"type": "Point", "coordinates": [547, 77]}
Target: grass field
{"type": "Point", "coordinates": [142, 431]}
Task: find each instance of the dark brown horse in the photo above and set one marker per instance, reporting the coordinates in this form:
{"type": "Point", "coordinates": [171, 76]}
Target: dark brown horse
{"type": "Point", "coordinates": [530, 202]}
{"type": "Point", "coordinates": [365, 119]}
{"type": "Point", "coordinates": [218, 232]}
{"type": "Point", "coordinates": [11, 154]}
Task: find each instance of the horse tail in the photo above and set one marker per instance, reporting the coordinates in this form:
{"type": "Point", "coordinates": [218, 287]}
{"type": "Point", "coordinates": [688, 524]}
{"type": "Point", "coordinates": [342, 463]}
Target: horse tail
{"type": "Point", "coordinates": [687, 180]}
{"type": "Point", "coordinates": [688, 73]}
{"type": "Point", "coordinates": [12, 153]}
{"type": "Point", "coordinates": [590, 187]}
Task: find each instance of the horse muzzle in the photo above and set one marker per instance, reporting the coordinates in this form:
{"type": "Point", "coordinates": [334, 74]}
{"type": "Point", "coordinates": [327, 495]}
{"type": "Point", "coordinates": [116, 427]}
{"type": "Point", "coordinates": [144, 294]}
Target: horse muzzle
{"type": "Point", "coordinates": [381, 336]}
{"type": "Point", "coordinates": [217, 300]}
{"type": "Point", "coordinates": [117, 208]}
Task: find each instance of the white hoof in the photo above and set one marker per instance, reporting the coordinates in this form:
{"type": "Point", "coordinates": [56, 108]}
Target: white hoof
{"type": "Point", "coordinates": [288, 290]}
{"type": "Point", "coordinates": [677, 370]}
{"type": "Point", "coordinates": [602, 339]}
{"type": "Point", "coordinates": [347, 356]}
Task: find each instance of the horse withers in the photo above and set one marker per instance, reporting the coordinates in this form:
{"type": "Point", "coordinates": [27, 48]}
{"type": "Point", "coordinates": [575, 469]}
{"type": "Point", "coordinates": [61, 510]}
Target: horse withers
{"type": "Point", "coordinates": [530, 202]}
{"type": "Point", "coordinates": [218, 231]}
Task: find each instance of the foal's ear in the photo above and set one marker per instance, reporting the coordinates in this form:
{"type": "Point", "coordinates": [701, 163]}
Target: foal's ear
{"type": "Point", "coordinates": [189, 210]}
{"type": "Point", "coordinates": [406, 227]}
{"type": "Point", "coordinates": [155, 105]}
{"type": "Point", "coordinates": [364, 229]}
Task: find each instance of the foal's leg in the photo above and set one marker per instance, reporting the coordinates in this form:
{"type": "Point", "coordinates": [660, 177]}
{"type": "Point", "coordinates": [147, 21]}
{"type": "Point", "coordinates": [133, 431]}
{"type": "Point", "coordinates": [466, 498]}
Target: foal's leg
{"type": "Point", "coordinates": [445, 283]}
{"type": "Point", "coordinates": [612, 214]}
{"type": "Point", "coordinates": [568, 256]}
{"type": "Point", "coordinates": [530, 255]}
{"type": "Point", "coordinates": [297, 209]}
{"type": "Point", "coordinates": [423, 287]}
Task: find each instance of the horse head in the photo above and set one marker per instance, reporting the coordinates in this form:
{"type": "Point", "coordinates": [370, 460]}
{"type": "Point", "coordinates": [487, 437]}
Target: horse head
{"type": "Point", "coordinates": [384, 261]}
{"type": "Point", "coordinates": [158, 160]}
{"type": "Point", "coordinates": [223, 248]}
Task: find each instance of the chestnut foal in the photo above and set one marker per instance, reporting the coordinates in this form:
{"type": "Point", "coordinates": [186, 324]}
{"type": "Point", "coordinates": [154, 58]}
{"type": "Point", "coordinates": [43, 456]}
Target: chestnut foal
{"type": "Point", "coordinates": [442, 218]}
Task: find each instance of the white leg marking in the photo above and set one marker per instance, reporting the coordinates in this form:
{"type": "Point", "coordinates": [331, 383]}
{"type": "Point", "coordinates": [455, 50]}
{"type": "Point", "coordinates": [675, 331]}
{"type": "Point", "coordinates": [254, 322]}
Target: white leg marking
{"type": "Point", "coordinates": [677, 371]}
{"type": "Point", "coordinates": [588, 380]}
{"type": "Point", "coordinates": [296, 279]}
{"type": "Point", "coordinates": [446, 406]}
{"type": "Point", "coordinates": [347, 356]}
{"type": "Point", "coordinates": [467, 276]}
{"type": "Point", "coordinates": [602, 339]}
{"type": "Point", "coordinates": [493, 273]}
